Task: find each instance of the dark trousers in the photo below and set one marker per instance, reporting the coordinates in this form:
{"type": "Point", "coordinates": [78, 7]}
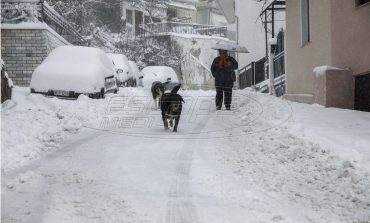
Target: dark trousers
{"type": "Point", "coordinates": [223, 94]}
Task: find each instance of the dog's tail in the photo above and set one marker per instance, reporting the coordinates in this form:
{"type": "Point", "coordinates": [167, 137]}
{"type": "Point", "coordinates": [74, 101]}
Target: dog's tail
{"type": "Point", "coordinates": [176, 89]}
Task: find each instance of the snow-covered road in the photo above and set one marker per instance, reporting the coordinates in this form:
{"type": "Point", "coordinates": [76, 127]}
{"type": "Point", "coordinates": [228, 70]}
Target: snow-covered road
{"type": "Point", "coordinates": [244, 165]}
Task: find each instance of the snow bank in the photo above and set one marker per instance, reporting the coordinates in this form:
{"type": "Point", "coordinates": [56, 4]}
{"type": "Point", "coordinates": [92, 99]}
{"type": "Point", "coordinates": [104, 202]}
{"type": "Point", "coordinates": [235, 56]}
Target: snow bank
{"type": "Point", "coordinates": [316, 160]}
{"type": "Point", "coordinates": [73, 68]}
{"type": "Point", "coordinates": [346, 132]}
{"type": "Point", "coordinates": [135, 70]}
{"type": "Point", "coordinates": [33, 124]}
{"type": "Point", "coordinates": [319, 71]}
{"type": "Point", "coordinates": [158, 73]}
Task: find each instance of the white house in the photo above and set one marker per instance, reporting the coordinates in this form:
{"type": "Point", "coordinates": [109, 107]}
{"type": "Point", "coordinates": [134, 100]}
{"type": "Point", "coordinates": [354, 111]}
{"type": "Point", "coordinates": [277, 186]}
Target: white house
{"type": "Point", "coordinates": [181, 11]}
{"type": "Point", "coordinates": [209, 13]}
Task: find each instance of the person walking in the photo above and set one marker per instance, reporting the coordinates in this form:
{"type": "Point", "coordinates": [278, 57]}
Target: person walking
{"type": "Point", "coordinates": [223, 70]}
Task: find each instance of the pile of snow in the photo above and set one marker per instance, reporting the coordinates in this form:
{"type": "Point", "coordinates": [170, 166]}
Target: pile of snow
{"type": "Point", "coordinates": [33, 124]}
{"type": "Point", "coordinates": [158, 73]}
{"type": "Point", "coordinates": [346, 132]}
{"type": "Point", "coordinates": [322, 70]}
{"type": "Point", "coordinates": [73, 68]}
{"type": "Point", "coordinates": [135, 70]}
{"type": "Point", "coordinates": [314, 158]}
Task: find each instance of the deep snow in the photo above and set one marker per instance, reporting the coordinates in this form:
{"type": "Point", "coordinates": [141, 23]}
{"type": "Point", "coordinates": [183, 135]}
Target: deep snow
{"type": "Point", "coordinates": [267, 160]}
{"type": "Point", "coordinates": [73, 68]}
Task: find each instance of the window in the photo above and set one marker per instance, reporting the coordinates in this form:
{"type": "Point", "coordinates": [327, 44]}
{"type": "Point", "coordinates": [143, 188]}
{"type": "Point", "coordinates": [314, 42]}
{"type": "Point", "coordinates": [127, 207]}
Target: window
{"type": "Point", "coordinates": [128, 16]}
{"type": "Point", "coordinates": [305, 22]}
{"type": "Point", "coordinates": [361, 2]}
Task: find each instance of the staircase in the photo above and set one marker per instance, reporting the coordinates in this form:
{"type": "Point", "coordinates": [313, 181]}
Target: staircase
{"type": "Point", "coordinates": [195, 74]}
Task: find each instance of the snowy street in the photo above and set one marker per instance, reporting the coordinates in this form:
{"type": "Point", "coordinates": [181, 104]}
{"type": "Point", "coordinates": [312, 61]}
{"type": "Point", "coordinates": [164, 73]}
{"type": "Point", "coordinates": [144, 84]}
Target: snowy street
{"type": "Point", "coordinates": [185, 111]}
{"type": "Point", "coordinates": [266, 160]}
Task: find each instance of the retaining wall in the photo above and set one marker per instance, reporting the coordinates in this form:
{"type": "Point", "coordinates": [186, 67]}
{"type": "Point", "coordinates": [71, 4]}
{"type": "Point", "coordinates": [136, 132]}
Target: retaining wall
{"type": "Point", "coordinates": [25, 46]}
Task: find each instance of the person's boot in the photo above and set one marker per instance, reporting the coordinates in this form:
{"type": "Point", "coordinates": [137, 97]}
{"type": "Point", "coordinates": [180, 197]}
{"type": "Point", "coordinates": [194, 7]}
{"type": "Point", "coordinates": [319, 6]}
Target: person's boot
{"type": "Point", "coordinates": [218, 108]}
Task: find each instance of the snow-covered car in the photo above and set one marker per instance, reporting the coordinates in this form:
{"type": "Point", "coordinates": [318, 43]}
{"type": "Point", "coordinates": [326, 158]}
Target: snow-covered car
{"type": "Point", "coordinates": [69, 71]}
{"type": "Point", "coordinates": [122, 68]}
{"type": "Point", "coordinates": [136, 73]}
{"type": "Point", "coordinates": [158, 73]}
{"type": "Point", "coordinates": [130, 79]}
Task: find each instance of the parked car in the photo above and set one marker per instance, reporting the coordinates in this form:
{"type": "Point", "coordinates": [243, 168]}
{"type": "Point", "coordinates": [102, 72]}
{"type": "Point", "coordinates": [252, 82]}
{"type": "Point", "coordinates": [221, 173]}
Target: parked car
{"type": "Point", "coordinates": [69, 71]}
{"type": "Point", "coordinates": [122, 69]}
{"type": "Point", "coordinates": [122, 59]}
{"type": "Point", "coordinates": [158, 73]}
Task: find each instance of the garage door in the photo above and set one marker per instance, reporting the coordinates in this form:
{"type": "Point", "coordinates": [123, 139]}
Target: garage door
{"type": "Point", "coordinates": [362, 94]}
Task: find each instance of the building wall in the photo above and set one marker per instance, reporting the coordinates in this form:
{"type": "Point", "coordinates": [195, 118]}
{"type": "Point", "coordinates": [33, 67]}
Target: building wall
{"type": "Point", "coordinates": [24, 49]}
{"type": "Point", "coordinates": [351, 36]}
{"type": "Point", "coordinates": [203, 16]}
{"type": "Point", "coordinates": [301, 60]}
{"type": "Point", "coordinates": [187, 13]}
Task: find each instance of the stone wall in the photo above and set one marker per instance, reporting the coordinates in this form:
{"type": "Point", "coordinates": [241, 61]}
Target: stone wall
{"type": "Point", "coordinates": [23, 49]}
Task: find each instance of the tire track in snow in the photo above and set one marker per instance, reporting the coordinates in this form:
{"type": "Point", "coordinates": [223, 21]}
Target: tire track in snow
{"type": "Point", "coordinates": [180, 208]}
{"type": "Point", "coordinates": [36, 202]}
{"type": "Point", "coordinates": [52, 155]}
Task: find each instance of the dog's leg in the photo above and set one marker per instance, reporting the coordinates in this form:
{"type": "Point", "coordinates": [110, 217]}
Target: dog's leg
{"type": "Point", "coordinates": [177, 119]}
{"type": "Point", "coordinates": [164, 121]}
{"type": "Point", "coordinates": [155, 104]}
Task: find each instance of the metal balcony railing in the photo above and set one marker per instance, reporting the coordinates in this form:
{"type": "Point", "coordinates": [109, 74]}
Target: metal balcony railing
{"type": "Point", "coordinates": [60, 25]}
{"type": "Point", "coordinates": [164, 28]}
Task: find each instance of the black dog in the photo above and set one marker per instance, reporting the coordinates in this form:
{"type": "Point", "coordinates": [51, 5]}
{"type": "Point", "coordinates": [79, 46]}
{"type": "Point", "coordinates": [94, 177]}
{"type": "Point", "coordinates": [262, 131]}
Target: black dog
{"type": "Point", "coordinates": [171, 107]}
{"type": "Point", "coordinates": [157, 91]}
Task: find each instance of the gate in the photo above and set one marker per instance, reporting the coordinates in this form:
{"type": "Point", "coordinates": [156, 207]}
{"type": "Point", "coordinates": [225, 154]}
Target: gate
{"type": "Point", "coordinates": [362, 93]}
{"type": "Point", "coordinates": [252, 74]}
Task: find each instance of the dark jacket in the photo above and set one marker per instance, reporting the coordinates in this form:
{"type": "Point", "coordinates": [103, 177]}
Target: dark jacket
{"type": "Point", "coordinates": [224, 77]}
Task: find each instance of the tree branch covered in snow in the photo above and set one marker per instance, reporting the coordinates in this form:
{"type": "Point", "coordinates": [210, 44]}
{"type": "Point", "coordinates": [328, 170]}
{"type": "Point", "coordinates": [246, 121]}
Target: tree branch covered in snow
{"type": "Point", "coordinates": [87, 15]}
{"type": "Point", "coordinates": [150, 51]}
{"type": "Point", "coordinates": [153, 8]}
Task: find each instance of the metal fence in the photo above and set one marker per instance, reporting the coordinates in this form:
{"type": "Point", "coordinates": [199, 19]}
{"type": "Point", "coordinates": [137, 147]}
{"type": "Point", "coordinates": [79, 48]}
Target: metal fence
{"type": "Point", "coordinates": [163, 28]}
{"type": "Point", "coordinates": [60, 25]}
{"type": "Point", "coordinates": [252, 74]}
